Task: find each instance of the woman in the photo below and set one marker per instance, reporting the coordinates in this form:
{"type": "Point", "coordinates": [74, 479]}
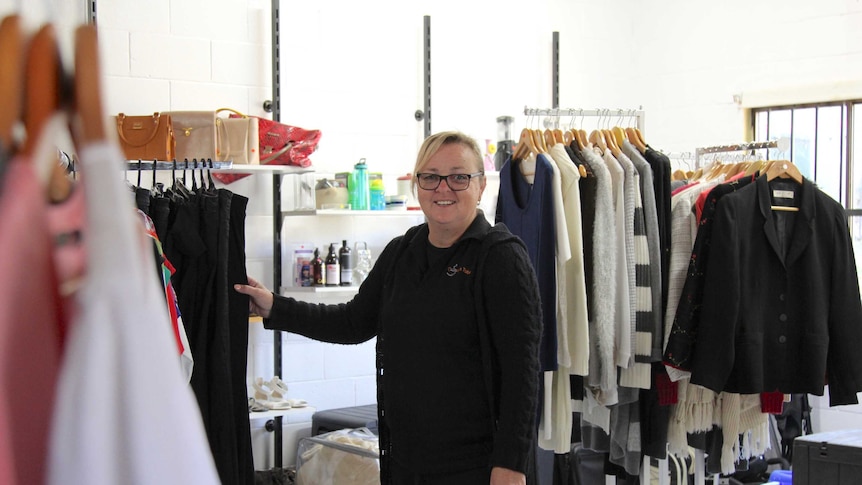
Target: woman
{"type": "Point", "coordinates": [455, 308]}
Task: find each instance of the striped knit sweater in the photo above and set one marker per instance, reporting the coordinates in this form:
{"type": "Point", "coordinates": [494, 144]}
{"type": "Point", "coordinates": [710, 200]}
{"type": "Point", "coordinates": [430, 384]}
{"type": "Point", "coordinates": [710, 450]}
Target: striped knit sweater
{"type": "Point", "coordinates": [651, 219]}
{"type": "Point", "coordinates": [638, 374]}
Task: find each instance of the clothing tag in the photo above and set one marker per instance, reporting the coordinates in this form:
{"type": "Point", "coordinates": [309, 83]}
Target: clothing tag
{"type": "Point", "coordinates": [783, 194]}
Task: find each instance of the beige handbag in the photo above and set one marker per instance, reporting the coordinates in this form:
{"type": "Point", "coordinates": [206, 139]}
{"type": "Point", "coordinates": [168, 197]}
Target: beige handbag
{"type": "Point", "coordinates": [238, 138]}
{"type": "Point", "coordinates": [195, 134]}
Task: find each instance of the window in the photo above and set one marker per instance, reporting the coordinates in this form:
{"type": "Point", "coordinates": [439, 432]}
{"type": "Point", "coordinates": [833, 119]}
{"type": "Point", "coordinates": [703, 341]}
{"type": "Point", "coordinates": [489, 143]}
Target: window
{"type": "Point", "coordinates": [826, 145]}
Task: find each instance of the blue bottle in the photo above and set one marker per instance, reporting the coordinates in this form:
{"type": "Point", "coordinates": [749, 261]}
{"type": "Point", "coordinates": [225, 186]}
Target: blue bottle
{"type": "Point", "coordinates": [358, 187]}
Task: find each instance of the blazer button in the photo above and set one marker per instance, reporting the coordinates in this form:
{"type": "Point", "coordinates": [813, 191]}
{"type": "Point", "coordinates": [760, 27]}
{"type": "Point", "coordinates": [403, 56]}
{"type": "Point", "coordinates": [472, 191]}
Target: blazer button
{"type": "Point", "coordinates": [781, 297]}
{"type": "Point", "coordinates": [782, 339]}
{"type": "Point", "coordinates": [782, 317]}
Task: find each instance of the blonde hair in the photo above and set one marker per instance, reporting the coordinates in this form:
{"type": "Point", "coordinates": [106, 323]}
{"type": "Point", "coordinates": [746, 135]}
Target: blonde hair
{"type": "Point", "coordinates": [432, 145]}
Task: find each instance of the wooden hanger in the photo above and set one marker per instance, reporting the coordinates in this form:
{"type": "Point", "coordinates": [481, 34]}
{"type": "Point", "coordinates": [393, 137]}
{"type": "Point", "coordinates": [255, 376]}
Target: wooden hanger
{"type": "Point", "coordinates": [43, 99]}
{"type": "Point", "coordinates": [784, 169]}
{"type": "Point", "coordinates": [43, 84]}
{"type": "Point", "coordinates": [598, 140]}
{"type": "Point", "coordinates": [568, 137]}
{"type": "Point", "coordinates": [11, 89]}
{"type": "Point", "coordinates": [640, 136]}
{"type": "Point", "coordinates": [581, 136]}
{"type": "Point", "coordinates": [88, 99]}
{"type": "Point", "coordinates": [611, 142]}
{"type": "Point", "coordinates": [754, 167]}
{"type": "Point", "coordinates": [525, 145]}
{"type": "Point", "coordinates": [558, 136]}
{"type": "Point", "coordinates": [539, 141]}
{"type": "Point", "coordinates": [619, 136]}
{"type": "Point", "coordinates": [549, 138]}
{"type": "Point", "coordinates": [635, 140]}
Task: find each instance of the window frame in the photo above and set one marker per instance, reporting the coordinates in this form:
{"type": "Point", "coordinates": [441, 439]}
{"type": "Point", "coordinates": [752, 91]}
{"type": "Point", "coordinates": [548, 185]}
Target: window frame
{"type": "Point", "coordinates": [848, 163]}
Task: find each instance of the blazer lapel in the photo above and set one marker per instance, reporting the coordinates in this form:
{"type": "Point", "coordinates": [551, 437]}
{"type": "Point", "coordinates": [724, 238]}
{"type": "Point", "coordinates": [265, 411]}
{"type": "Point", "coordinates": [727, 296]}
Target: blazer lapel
{"type": "Point", "coordinates": [765, 204]}
{"type": "Point", "coordinates": [804, 228]}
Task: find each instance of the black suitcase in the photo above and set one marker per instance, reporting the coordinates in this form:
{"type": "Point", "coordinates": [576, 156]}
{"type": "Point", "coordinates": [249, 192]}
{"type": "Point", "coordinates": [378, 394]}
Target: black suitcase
{"type": "Point", "coordinates": [834, 457]}
{"type": "Point", "coordinates": [580, 466]}
{"type": "Point", "coordinates": [342, 418]}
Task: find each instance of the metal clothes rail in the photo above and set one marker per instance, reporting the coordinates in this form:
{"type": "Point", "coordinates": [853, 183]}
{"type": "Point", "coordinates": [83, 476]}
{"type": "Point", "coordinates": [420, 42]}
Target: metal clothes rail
{"type": "Point", "coordinates": [739, 147]}
{"type": "Point", "coordinates": [639, 114]}
{"type": "Point", "coordinates": [184, 165]}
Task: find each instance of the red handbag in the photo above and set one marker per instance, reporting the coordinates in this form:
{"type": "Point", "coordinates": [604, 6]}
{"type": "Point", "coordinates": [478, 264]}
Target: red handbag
{"type": "Point", "coordinates": [279, 144]}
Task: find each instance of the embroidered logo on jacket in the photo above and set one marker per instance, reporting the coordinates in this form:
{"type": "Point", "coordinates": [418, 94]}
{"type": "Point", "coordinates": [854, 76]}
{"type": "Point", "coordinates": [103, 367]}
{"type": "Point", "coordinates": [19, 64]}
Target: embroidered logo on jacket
{"type": "Point", "coordinates": [455, 269]}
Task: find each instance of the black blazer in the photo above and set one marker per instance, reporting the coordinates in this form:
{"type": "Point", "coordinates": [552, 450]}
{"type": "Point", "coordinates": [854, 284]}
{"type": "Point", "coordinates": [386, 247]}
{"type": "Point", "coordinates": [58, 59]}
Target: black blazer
{"type": "Point", "coordinates": [781, 308]}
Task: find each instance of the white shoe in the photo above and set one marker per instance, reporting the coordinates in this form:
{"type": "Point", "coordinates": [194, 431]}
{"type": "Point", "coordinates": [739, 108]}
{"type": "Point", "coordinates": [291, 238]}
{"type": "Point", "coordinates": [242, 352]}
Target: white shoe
{"type": "Point", "coordinates": [297, 403]}
{"type": "Point", "coordinates": [268, 398]}
{"type": "Point", "coordinates": [276, 384]}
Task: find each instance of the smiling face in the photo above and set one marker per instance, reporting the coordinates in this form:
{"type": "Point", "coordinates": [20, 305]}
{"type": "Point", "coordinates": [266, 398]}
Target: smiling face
{"type": "Point", "coordinates": [451, 212]}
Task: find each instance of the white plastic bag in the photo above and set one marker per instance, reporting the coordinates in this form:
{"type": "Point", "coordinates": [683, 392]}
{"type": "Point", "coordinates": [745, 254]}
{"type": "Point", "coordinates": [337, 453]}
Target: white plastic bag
{"type": "Point", "coordinates": [344, 457]}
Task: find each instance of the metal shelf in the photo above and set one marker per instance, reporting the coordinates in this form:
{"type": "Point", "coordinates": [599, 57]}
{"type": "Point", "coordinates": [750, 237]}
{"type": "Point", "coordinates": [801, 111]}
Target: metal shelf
{"type": "Point", "coordinates": [350, 213]}
{"type": "Point", "coordinates": [346, 290]}
{"type": "Point", "coordinates": [271, 169]}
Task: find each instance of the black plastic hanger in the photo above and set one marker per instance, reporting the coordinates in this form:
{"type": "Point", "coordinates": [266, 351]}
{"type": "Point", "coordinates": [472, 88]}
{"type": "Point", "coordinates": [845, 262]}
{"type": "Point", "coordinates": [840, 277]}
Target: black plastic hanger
{"type": "Point", "coordinates": [210, 175]}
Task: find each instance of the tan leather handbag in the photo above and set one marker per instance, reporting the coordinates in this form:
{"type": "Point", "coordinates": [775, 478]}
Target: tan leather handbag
{"type": "Point", "coordinates": [195, 134]}
{"type": "Point", "coordinates": [146, 137]}
{"type": "Point", "coordinates": [237, 138]}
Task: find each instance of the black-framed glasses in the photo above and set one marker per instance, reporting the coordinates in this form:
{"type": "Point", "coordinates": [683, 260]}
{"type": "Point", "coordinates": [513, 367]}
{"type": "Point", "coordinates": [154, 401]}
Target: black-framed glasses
{"type": "Point", "coordinates": [455, 181]}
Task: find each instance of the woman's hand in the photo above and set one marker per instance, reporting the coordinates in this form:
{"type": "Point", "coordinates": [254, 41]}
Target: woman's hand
{"type": "Point", "coordinates": [504, 476]}
{"type": "Point", "coordinates": [260, 298]}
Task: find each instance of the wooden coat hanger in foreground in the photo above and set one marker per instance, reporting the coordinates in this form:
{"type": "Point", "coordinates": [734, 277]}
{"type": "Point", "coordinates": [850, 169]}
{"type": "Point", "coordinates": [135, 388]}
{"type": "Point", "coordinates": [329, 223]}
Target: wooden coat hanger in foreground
{"type": "Point", "coordinates": [784, 169]}
{"type": "Point", "coordinates": [11, 88]}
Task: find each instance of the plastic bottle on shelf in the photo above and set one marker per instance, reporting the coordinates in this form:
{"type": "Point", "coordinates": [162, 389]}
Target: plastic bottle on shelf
{"type": "Point", "coordinates": [345, 259]}
{"type": "Point", "coordinates": [358, 186]}
{"type": "Point", "coordinates": [378, 195]}
{"type": "Point", "coordinates": [318, 272]}
{"type": "Point", "coordinates": [333, 272]}
{"type": "Point", "coordinates": [363, 263]}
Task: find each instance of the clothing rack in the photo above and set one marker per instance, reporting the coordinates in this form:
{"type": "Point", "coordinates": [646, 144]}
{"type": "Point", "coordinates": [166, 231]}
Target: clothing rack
{"type": "Point", "coordinates": [699, 459]}
{"type": "Point", "coordinates": [739, 147]}
{"type": "Point", "coordinates": [639, 114]}
{"type": "Point", "coordinates": [184, 165]}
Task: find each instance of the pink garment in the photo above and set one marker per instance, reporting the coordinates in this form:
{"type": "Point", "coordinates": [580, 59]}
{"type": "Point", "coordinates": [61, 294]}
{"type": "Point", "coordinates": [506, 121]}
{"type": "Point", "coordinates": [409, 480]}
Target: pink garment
{"type": "Point", "coordinates": [684, 187]}
{"type": "Point", "coordinates": [30, 321]}
{"type": "Point", "coordinates": [66, 223]}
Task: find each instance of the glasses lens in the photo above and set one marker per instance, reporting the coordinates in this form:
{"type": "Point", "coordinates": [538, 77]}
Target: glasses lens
{"type": "Point", "coordinates": [458, 181]}
{"type": "Point", "coordinates": [428, 181]}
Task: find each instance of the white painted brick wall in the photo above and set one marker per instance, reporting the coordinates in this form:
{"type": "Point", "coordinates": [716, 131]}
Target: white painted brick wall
{"type": "Point", "coordinates": [358, 78]}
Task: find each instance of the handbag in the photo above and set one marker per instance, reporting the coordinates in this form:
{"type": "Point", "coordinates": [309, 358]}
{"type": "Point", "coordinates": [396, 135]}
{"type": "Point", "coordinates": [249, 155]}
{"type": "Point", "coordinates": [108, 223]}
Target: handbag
{"type": "Point", "coordinates": [195, 134]}
{"type": "Point", "coordinates": [282, 144]}
{"type": "Point", "coordinates": [278, 144]}
{"type": "Point", "coordinates": [146, 137]}
{"type": "Point", "coordinates": [237, 138]}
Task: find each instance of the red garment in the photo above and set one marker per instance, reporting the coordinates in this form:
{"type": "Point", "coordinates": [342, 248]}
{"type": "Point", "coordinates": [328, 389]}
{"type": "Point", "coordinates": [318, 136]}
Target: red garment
{"type": "Point", "coordinates": [701, 199]}
{"type": "Point", "coordinates": [30, 321]}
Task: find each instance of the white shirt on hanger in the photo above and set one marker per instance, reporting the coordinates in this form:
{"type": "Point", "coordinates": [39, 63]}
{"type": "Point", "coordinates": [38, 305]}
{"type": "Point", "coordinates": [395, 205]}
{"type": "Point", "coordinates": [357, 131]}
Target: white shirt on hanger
{"type": "Point", "coordinates": [124, 413]}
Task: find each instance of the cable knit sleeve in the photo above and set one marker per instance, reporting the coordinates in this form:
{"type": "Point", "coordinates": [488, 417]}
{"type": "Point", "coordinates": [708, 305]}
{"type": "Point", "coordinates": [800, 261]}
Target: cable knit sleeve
{"type": "Point", "coordinates": [513, 317]}
{"type": "Point", "coordinates": [345, 323]}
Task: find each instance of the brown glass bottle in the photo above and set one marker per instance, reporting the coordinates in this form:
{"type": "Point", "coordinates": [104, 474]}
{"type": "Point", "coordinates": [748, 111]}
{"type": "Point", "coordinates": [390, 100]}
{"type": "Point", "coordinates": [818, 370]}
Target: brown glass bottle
{"type": "Point", "coordinates": [318, 270]}
{"type": "Point", "coordinates": [333, 273]}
